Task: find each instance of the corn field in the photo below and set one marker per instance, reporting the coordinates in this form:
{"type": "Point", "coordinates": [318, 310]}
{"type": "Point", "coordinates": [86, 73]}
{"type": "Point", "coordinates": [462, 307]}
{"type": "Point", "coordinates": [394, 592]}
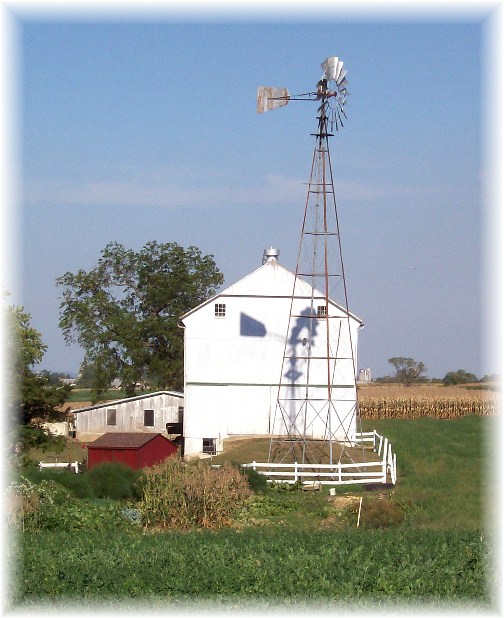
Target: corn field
{"type": "Point", "coordinates": [374, 408]}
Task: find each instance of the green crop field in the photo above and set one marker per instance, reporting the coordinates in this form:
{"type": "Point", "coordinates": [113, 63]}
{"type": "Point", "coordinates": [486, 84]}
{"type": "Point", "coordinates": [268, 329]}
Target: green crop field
{"type": "Point", "coordinates": [426, 541]}
{"type": "Point", "coordinates": [271, 566]}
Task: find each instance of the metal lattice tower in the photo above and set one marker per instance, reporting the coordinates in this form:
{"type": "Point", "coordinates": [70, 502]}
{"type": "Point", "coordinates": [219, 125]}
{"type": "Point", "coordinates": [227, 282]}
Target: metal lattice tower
{"type": "Point", "coordinates": [316, 412]}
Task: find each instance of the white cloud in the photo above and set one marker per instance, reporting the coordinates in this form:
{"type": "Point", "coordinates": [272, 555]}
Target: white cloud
{"type": "Point", "coordinates": [147, 191]}
{"type": "Point", "coordinates": [153, 189]}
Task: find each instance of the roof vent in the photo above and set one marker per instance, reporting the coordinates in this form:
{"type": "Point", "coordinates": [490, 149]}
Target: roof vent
{"type": "Point", "coordinates": [270, 255]}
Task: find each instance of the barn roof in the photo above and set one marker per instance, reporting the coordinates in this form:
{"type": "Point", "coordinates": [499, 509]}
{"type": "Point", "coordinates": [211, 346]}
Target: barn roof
{"type": "Point", "coordinates": [115, 402]}
{"type": "Point", "coordinates": [124, 440]}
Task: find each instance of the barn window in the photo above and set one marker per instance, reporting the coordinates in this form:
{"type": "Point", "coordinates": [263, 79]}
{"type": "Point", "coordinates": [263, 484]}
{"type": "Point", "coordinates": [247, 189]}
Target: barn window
{"type": "Point", "coordinates": [209, 446]}
{"type": "Point", "coordinates": [220, 310]}
{"type": "Point", "coordinates": [148, 418]}
{"type": "Point", "coordinates": [111, 416]}
{"type": "Point", "coordinates": [321, 311]}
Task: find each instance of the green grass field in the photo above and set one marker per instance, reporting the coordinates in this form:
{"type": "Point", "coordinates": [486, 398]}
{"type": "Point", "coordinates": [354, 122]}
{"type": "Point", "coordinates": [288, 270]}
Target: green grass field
{"type": "Point", "coordinates": [443, 468]}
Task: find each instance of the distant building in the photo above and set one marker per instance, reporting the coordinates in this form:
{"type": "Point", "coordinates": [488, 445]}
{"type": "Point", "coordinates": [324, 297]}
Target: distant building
{"type": "Point", "coordinates": [234, 346]}
{"type": "Point", "coordinates": [365, 375]}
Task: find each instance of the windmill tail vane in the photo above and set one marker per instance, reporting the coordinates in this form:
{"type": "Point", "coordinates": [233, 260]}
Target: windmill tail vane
{"type": "Point", "coordinates": [331, 91]}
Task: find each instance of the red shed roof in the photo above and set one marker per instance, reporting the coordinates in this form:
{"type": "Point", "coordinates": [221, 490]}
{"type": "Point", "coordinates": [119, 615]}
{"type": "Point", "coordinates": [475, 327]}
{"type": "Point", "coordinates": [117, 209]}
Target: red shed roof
{"type": "Point", "coordinates": [120, 439]}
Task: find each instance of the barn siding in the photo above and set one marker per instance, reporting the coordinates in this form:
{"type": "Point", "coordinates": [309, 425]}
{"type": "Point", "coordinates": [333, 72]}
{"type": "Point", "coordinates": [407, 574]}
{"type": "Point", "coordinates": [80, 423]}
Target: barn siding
{"type": "Point", "coordinates": [233, 363]}
{"type": "Point", "coordinates": [130, 415]}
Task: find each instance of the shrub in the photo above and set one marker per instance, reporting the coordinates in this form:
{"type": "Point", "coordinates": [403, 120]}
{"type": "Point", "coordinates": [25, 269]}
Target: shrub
{"type": "Point", "coordinates": [182, 495]}
{"type": "Point", "coordinates": [114, 480]}
{"type": "Point", "coordinates": [49, 506]}
{"type": "Point", "coordinates": [78, 484]}
{"type": "Point", "coordinates": [257, 482]}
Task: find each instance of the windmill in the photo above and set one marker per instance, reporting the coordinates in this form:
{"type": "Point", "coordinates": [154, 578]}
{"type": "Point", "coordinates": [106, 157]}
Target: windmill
{"type": "Point", "coordinates": [315, 420]}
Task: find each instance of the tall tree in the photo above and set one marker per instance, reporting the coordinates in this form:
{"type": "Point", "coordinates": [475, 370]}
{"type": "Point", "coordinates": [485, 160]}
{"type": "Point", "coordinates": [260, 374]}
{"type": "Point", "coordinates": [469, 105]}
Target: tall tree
{"type": "Point", "coordinates": [124, 312]}
{"type": "Point", "coordinates": [31, 395]}
{"type": "Point", "coordinates": [407, 369]}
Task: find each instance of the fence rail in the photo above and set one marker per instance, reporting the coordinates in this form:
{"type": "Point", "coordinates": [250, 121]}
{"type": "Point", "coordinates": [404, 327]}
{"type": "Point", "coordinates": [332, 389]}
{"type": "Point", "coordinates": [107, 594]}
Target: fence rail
{"type": "Point", "coordinates": [49, 464]}
{"type": "Point", "coordinates": [383, 471]}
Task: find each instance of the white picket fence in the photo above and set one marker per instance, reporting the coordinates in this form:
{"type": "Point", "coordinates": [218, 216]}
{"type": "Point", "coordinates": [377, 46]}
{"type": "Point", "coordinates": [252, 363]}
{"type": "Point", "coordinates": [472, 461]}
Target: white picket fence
{"type": "Point", "coordinates": [72, 466]}
{"type": "Point", "coordinates": [383, 471]}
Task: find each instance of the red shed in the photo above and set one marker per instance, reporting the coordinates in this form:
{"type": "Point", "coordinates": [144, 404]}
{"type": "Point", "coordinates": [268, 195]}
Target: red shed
{"type": "Point", "coordinates": [137, 450]}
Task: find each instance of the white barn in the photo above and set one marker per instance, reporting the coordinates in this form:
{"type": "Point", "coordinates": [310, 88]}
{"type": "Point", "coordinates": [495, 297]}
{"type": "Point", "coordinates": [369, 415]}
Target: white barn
{"type": "Point", "coordinates": [160, 412]}
{"type": "Point", "coordinates": [234, 347]}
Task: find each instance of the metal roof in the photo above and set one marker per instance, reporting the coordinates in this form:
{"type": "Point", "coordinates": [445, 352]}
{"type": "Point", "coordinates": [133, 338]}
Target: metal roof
{"type": "Point", "coordinates": [108, 404]}
{"type": "Point", "coordinates": [124, 440]}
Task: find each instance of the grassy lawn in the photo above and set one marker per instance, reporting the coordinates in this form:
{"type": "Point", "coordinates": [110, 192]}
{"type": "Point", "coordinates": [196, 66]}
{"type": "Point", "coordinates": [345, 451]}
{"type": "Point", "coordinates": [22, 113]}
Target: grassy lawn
{"type": "Point", "coordinates": [72, 451]}
{"type": "Point", "coordinates": [442, 468]}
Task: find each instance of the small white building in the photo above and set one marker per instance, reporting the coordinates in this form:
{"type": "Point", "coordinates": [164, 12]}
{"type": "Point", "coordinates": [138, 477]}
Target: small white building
{"type": "Point", "coordinates": [160, 412]}
{"type": "Point", "coordinates": [234, 347]}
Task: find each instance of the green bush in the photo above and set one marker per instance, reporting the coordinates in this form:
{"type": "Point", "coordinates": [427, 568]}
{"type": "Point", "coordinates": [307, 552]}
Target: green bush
{"type": "Point", "coordinates": [78, 484]}
{"type": "Point", "coordinates": [49, 506]}
{"type": "Point", "coordinates": [257, 482]}
{"type": "Point", "coordinates": [114, 480]}
{"type": "Point", "coordinates": [181, 495]}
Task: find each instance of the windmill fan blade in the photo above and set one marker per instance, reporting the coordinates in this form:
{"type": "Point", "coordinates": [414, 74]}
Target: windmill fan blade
{"type": "Point", "coordinates": [332, 67]}
{"type": "Point", "coordinates": [339, 68]}
{"type": "Point", "coordinates": [328, 66]}
{"type": "Point", "coordinates": [341, 77]}
{"type": "Point", "coordinates": [269, 98]}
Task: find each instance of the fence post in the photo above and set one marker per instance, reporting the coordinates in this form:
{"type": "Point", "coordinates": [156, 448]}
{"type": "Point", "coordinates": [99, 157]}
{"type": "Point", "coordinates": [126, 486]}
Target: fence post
{"type": "Point", "coordinates": [295, 472]}
{"type": "Point", "coordinates": [254, 466]}
{"type": "Point", "coordinates": [385, 459]}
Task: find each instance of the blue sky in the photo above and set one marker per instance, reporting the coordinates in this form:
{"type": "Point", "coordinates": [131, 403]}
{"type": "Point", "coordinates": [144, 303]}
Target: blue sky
{"type": "Point", "coordinates": [145, 129]}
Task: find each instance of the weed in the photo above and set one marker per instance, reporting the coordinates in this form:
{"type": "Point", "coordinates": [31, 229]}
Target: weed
{"type": "Point", "coordinates": [180, 495]}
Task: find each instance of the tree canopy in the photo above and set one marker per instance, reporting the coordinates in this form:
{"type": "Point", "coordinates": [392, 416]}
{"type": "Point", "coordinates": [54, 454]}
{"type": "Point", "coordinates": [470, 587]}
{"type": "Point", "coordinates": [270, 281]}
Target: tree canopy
{"type": "Point", "coordinates": [459, 377]}
{"type": "Point", "coordinates": [125, 312]}
{"type": "Point", "coordinates": [407, 369]}
{"type": "Point", "coordinates": [31, 395]}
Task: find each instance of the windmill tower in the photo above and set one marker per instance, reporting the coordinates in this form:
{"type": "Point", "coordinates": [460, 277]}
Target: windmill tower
{"type": "Point", "coordinates": [315, 420]}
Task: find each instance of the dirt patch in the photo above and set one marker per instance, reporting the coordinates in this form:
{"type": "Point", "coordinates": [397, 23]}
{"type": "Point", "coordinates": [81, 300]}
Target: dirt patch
{"type": "Point", "coordinates": [341, 502]}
